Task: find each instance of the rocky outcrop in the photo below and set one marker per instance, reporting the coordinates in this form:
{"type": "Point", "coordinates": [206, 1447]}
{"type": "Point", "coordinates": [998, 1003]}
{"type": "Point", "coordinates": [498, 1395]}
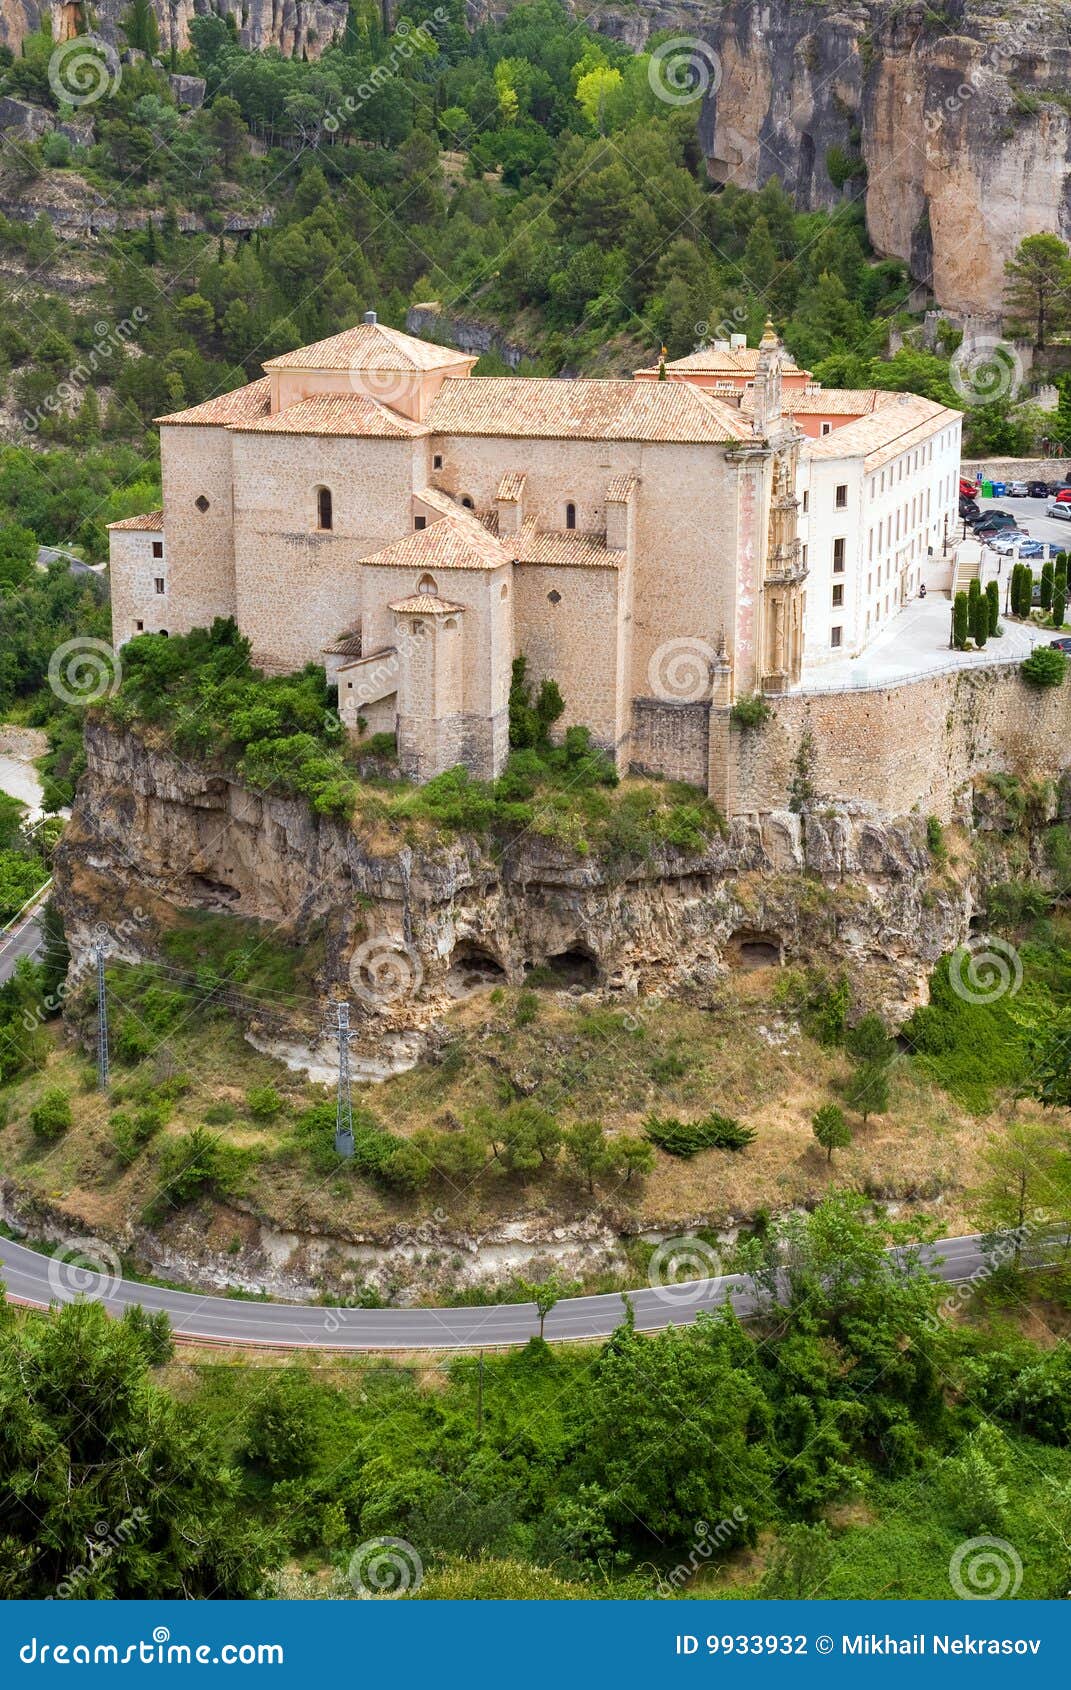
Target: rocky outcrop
{"type": "Point", "coordinates": [406, 930]}
{"type": "Point", "coordinates": [956, 120]}
{"type": "Point", "coordinates": [298, 28]}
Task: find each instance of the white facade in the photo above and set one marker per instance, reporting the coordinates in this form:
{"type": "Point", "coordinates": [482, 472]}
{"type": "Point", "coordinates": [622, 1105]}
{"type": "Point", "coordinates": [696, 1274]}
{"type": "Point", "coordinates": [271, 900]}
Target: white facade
{"type": "Point", "coordinates": [875, 514]}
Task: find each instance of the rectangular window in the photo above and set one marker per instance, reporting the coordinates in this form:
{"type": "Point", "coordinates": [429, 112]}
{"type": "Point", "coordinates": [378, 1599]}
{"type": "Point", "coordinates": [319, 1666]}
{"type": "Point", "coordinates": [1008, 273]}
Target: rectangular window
{"type": "Point", "coordinates": [806, 500]}
{"type": "Point", "coordinates": [838, 595]}
{"type": "Point", "coordinates": [437, 461]}
{"type": "Point", "coordinates": [420, 522]}
{"type": "Point", "coordinates": [804, 554]}
{"type": "Point", "coordinates": [827, 428]}
{"type": "Point", "coordinates": [159, 583]}
{"type": "Point", "coordinates": [158, 548]}
{"type": "Point", "coordinates": [841, 497]}
{"type": "Point", "coordinates": [838, 554]}
{"type": "Point", "coordinates": [836, 635]}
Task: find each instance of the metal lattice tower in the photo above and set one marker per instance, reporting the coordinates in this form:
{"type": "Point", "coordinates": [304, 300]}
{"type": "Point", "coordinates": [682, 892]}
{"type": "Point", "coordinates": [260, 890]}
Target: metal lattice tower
{"type": "Point", "coordinates": [344, 1109]}
{"type": "Point", "coordinates": [102, 1022]}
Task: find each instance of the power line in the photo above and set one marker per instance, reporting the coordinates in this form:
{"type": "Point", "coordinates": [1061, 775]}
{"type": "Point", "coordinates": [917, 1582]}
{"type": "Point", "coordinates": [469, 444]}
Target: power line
{"type": "Point", "coordinates": [344, 1108]}
{"type": "Point", "coordinates": [102, 1022]}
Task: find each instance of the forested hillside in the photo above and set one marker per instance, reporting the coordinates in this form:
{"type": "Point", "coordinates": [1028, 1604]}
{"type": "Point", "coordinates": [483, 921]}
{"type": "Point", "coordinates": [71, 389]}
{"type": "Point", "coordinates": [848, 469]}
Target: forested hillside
{"type": "Point", "coordinates": [529, 175]}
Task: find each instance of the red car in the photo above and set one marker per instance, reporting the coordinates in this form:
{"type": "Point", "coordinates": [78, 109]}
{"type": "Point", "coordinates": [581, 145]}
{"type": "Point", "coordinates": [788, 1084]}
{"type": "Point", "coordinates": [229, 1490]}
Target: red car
{"type": "Point", "coordinates": [1063, 497]}
{"type": "Point", "coordinates": [967, 489]}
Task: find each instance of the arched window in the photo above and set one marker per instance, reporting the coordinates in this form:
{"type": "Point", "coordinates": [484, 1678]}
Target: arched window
{"type": "Point", "coordinates": [570, 516]}
{"type": "Point", "coordinates": [324, 511]}
{"type": "Point", "coordinates": [426, 584]}
{"type": "Point", "coordinates": [467, 502]}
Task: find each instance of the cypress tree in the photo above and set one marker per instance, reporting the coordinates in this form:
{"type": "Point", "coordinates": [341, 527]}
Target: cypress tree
{"type": "Point", "coordinates": [960, 622]}
{"type": "Point", "coordinates": [1046, 586]}
{"type": "Point", "coordinates": [978, 608]}
{"type": "Point", "coordinates": [1059, 603]}
{"type": "Point", "coordinates": [992, 594]}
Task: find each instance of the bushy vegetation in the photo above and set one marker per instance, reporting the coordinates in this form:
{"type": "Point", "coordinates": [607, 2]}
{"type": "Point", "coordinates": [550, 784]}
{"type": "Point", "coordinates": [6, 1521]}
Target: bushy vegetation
{"type": "Point", "coordinates": [281, 733]}
{"type": "Point", "coordinates": [687, 1138]}
{"type": "Point", "coordinates": [850, 1444]}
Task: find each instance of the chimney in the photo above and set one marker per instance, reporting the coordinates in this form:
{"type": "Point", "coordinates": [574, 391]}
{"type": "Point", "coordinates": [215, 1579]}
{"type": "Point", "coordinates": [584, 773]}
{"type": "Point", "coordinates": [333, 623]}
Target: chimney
{"type": "Point", "coordinates": [369, 316]}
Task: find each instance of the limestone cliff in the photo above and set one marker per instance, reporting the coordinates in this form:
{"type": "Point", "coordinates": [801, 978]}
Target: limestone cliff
{"type": "Point", "coordinates": [402, 926]}
{"type": "Point", "coordinates": [960, 115]}
{"type": "Point", "coordinates": [298, 28]}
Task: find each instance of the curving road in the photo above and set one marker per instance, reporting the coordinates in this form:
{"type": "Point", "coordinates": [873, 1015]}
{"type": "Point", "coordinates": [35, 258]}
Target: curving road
{"type": "Point", "coordinates": [41, 1280]}
{"type": "Point", "coordinates": [22, 938]}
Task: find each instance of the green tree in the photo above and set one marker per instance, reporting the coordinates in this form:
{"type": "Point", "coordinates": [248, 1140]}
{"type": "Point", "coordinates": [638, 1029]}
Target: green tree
{"type": "Point", "coordinates": [831, 1129]}
{"type": "Point", "coordinates": [87, 1437]}
{"type": "Point", "coordinates": [961, 625]}
{"type": "Point", "coordinates": [50, 1116]}
{"type": "Point", "coordinates": [868, 1089]}
{"type": "Point", "coordinates": [546, 1293]}
{"type": "Point", "coordinates": [1037, 288]}
{"type": "Point", "coordinates": [588, 1151]}
{"type": "Point", "coordinates": [1046, 586]}
{"type": "Point", "coordinates": [1027, 1185]}
{"type": "Point", "coordinates": [992, 593]}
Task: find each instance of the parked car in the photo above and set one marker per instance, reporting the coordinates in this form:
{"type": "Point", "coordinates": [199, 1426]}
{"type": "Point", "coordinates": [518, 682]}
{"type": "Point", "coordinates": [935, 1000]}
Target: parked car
{"type": "Point", "coordinates": [1040, 489]}
{"type": "Point", "coordinates": [968, 509]}
{"type": "Point", "coordinates": [1060, 508]}
{"type": "Point", "coordinates": [1063, 644]}
{"type": "Point", "coordinates": [993, 520]}
{"type": "Point", "coordinates": [1063, 495]}
{"type": "Point", "coordinates": [967, 489]}
{"type": "Point", "coordinates": [1017, 490]}
{"type": "Point", "coordinates": [1011, 545]}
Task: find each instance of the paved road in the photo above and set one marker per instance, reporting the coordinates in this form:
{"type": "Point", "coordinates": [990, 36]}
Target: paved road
{"type": "Point", "coordinates": [24, 940]}
{"type": "Point", "coordinates": [40, 1280]}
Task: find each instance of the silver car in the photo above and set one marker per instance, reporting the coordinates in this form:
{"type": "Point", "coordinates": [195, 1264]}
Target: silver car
{"type": "Point", "coordinates": [1056, 507]}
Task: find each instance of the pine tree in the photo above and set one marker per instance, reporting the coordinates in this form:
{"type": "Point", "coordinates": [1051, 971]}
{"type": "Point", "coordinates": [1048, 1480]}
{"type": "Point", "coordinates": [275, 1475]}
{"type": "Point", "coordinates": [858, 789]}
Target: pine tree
{"type": "Point", "coordinates": [831, 1129]}
{"type": "Point", "coordinates": [1037, 287]}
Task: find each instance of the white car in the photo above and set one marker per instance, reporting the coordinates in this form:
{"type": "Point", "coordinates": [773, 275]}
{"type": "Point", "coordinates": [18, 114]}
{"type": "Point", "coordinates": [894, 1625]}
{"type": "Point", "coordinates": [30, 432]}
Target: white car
{"type": "Point", "coordinates": [1057, 507]}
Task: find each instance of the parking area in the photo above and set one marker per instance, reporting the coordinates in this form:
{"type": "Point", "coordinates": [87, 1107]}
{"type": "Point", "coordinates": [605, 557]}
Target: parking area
{"type": "Point", "coordinates": [1030, 515]}
{"type": "Point", "coordinates": [916, 642]}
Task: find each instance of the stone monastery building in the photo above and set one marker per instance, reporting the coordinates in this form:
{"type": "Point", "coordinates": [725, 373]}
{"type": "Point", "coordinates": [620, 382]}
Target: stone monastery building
{"type": "Point", "coordinates": [660, 547]}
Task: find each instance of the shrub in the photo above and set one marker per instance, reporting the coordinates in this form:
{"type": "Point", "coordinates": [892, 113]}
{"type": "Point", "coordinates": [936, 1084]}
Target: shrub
{"type": "Point", "coordinates": [130, 1133]}
{"type": "Point", "coordinates": [1044, 667]}
{"type": "Point", "coordinates": [751, 711]}
{"type": "Point", "coordinates": [50, 1116]}
{"type": "Point", "coordinates": [263, 1102]}
{"type": "Point", "coordinates": [195, 1165]}
{"type": "Point", "coordinates": [687, 1138]}
{"type": "Point", "coordinates": [935, 838]}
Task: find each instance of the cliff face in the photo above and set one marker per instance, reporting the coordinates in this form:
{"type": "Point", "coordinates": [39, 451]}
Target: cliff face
{"type": "Point", "coordinates": [295, 27]}
{"type": "Point", "coordinates": [960, 116]}
{"type": "Point", "coordinates": [404, 930]}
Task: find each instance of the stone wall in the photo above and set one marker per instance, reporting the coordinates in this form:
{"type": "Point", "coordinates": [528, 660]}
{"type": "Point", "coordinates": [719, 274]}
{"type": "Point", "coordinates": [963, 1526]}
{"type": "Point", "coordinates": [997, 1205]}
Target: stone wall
{"type": "Point", "coordinates": [1016, 469]}
{"type": "Point", "coordinates": [671, 740]}
{"type": "Point", "coordinates": [893, 750]}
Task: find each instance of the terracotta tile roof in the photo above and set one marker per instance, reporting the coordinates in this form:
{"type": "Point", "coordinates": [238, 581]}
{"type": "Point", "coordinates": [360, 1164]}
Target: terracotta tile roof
{"type": "Point", "coordinates": [151, 523]}
{"type": "Point", "coordinates": [568, 550]}
{"type": "Point", "coordinates": [828, 401]}
{"type": "Point", "coordinates": [347, 645]}
{"type": "Point", "coordinates": [458, 540]}
{"type": "Point", "coordinates": [244, 404]}
{"type": "Point", "coordinates": [537, 408]}
{"type": "Point", "coordinates": [714, 360]}
{"type": "Point", "coordinates": [371, 346]}
{"type": "Point", "coordinates": [621, 488]}
{"type": "Point", "coordinates": [897, 423]}
{"type": "Point", "coordinates": [337, 414]}
{"type": "Point", "coordinates": [425, 604]}
{"type": "Point", "coordinates": [511, 487]}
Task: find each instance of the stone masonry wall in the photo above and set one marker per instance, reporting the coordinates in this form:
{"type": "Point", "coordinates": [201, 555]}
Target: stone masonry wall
{"type": "Point", "coordinates": [896, 749]}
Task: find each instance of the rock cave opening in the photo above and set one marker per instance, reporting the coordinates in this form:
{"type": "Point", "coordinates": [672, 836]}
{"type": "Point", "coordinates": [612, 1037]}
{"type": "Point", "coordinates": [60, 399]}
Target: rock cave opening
{"type": "Point", "coordinates": [574, 967]}
{"type": "Point", "coordinates": [749, 950]}
{"type": "Point", "coordinates": [472, 969]}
